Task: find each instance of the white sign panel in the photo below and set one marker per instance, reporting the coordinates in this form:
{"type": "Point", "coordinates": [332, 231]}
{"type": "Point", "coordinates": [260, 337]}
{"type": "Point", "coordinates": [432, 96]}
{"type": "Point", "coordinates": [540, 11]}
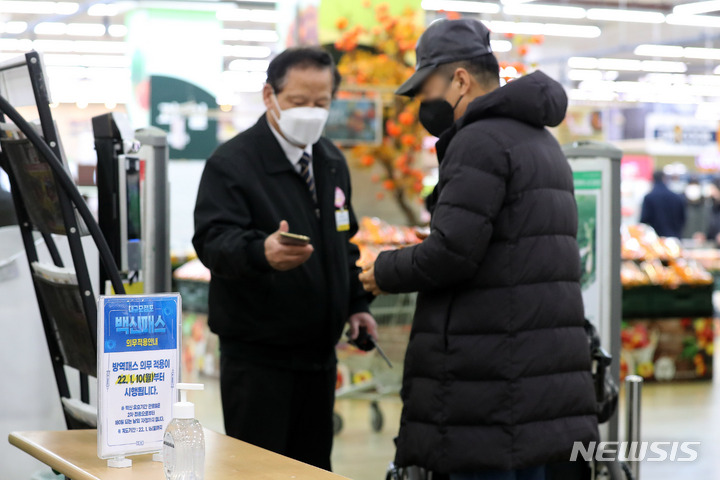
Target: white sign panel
{"type": "Point", "coordinates": [138, 367]}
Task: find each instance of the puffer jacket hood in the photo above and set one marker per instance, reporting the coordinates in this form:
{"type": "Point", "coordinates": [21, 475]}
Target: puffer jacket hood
{"type": "Point", "coordinates": [535, 99]}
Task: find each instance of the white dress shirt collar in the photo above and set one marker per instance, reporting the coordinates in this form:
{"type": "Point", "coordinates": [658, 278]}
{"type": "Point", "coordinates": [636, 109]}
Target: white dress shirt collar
{"type": "Point", "coordinates": [292, 152]}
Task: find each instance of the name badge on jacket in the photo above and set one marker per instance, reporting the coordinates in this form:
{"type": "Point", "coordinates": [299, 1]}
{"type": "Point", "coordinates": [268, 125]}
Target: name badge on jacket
{"type": "Point", "coordinates": [342, 215]}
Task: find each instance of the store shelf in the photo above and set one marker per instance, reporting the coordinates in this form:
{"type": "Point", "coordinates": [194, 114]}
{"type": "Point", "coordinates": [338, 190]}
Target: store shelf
{"type": "Point", "coordinates": [658, 302]}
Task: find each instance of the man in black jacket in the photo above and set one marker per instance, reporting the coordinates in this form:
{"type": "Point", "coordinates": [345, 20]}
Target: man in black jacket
{"type": "Point", "coordinates": [663, 209]}
{"type": "Point", "coordinates": [497, 373]}
{"type": "Point", "coordinates": [279, 309]}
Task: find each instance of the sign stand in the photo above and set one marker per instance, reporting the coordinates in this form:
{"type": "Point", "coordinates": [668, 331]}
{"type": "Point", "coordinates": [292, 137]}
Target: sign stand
{"type": "Point", "coordinates": [139, 338]}
{"type": "Point", "coordinates": [119, 462]}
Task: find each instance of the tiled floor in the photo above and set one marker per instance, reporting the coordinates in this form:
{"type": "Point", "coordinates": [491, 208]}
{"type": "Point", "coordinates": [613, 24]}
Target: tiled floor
{"type": "Point", "coordinates": [670, 412]}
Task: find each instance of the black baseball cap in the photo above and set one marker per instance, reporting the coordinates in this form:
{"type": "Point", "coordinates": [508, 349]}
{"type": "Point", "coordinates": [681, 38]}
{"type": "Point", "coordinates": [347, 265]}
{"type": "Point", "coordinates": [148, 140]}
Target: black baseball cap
{"type": "Point", "coordinates": [446, 41]}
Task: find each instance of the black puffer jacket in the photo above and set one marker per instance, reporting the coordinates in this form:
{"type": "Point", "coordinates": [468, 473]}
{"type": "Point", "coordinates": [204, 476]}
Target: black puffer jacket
{"type": "Point", "coordinates": [497, 373]}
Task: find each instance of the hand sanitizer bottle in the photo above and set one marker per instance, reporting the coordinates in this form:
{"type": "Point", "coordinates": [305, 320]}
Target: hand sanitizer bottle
{"type": "Point", "coordinates": [184, 442]}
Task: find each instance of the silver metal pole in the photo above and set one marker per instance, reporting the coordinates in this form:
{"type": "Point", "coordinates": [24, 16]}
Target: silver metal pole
{"type": "Point", "coordinates": [633, 393]}
{"type": "Point", "coordinates": [156, 209]}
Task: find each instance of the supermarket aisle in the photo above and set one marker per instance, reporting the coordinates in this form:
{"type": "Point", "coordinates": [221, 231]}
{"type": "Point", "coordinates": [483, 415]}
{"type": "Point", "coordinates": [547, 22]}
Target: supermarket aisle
{"type": "Point", "coordinates": [671, 412]}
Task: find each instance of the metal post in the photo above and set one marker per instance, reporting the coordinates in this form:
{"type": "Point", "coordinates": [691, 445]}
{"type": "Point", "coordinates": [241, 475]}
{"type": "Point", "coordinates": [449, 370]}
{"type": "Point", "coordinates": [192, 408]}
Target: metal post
{"type": "Point", "coordinates": [633, 392]}
{"type": "Point", "coordinates": [156, 210]}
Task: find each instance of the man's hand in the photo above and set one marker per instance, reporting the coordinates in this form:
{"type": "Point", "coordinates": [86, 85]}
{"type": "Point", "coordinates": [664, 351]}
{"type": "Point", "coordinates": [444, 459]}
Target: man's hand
{"type": "Point", "coordinates": [285, 257]}
{"type": "Point", "coordinates": [362, 320]}
{"type": "Point", "coordinates": [368, 280]}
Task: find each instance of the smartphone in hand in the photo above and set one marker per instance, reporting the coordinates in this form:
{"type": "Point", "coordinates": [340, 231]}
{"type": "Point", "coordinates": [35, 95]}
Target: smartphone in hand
{"type": "Point", "coordinates": [293, 240]}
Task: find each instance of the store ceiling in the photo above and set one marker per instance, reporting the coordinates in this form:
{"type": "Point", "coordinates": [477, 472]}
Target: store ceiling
{"type": "Point", "coordinates": [90, 35]}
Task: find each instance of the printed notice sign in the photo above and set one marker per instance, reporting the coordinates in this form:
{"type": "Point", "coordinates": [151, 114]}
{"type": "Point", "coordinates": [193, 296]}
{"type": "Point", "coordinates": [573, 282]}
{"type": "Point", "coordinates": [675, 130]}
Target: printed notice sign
{"type": "Point", "coordinates": [138, 366]}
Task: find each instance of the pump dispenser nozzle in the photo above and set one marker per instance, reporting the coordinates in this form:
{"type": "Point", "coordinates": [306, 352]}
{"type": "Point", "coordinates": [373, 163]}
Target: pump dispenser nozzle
{"type": "Point", "coordinates": [183, 408]}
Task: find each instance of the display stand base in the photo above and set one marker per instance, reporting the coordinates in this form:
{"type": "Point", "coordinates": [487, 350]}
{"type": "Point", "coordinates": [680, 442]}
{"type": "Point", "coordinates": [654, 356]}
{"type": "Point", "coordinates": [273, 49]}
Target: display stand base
{"type": "Point", "coordinates": [119, 462]}
{"type": "Point", "coordinates": [158, 457]}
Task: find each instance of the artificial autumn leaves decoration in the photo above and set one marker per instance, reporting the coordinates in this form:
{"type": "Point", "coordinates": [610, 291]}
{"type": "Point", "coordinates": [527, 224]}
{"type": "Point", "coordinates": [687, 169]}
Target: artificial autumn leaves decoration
{"type": "Point", "coordinates": [379, 72]}
{"type": "Point", "coordinates": [522, 44]}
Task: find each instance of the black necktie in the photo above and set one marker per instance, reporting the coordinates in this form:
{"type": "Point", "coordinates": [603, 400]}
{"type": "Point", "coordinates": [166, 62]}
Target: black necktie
{"type": "Point", "coordinates": [306, 175]}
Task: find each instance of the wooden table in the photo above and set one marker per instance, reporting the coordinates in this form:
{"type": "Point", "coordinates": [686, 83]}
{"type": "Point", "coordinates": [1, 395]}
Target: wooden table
{"type": "Point", "coordinates": [74, 454]}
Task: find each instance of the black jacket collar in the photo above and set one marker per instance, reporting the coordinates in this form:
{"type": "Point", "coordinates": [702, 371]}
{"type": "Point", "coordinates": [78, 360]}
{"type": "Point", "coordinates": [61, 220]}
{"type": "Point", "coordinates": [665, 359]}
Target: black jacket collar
{"type": "Point", "coordinates": [274, 158]}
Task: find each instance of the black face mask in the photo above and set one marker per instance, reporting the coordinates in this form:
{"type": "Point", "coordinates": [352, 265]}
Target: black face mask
{"type": "Point", "coordinates": [437, 115]}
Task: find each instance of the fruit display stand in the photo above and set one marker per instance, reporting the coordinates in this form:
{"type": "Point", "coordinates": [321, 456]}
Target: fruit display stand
{"type": "Point", "coordinates": [667, 330]}
{"type": "Point", "coordinates": [201, 347]}
{"type": "Point", "coordinates": [709, 258]}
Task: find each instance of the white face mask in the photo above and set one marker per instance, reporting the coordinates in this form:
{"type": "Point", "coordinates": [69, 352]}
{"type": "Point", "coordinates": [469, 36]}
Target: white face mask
{"type": "Point", "coordinates": [301, 125]}
{"type": "Point", "coordinates": [693, 192]}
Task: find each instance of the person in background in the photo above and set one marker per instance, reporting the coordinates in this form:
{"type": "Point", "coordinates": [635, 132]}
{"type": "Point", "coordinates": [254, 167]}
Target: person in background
{"type": "Point", "coordinates": [662, 209]}
{"type": "Point", "coordinates": [698, 211]}
{"type": "Point", "coordinates": [280, 309]}
{"type": "Point", "coordinates": [497, 381]}
{"type": "Point", "coordinates": [713, 230]}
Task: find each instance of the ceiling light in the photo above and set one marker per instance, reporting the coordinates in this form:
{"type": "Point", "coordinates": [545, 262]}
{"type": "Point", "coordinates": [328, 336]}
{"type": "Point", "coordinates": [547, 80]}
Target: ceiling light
{"type": "Point", "coordinates": [501, 46]}
{"type": "Point", "coordinates": [627, 65]}
{"type": "Point", "coordinates": [582, 75]}
{"type": "Point", "coordinates": [513, 2]}
{"type": "Point", "coordinates": [249, 65]}
{"type": "Point", "coordinates": [15, 45]}
{"type": "Point", "coordinates": [547, 29]}
{"type": "Point", "coordinates": [620, 15]}
{"type": "Point", "coordinates": [659, 51]}
{"type": "Point", "coordinates": [37, 7]}
{"type": "Point", "coordinates": [702, 53]}
{"type": "Point", "coordinates": [695, 8]}
{"type": "Point", "coordinates": [50, 28]}
{"type": "Point", "coordinates": [245, 15]}
{"type": "Point", "coordinates": [583, 62]}
{"type": "Point", "coordinates": [103, 10]}
{"type": "Point", "coordinates": [693, 20]}
{"type": "Point", "coordinates": [66, 60]}
{"type": "Point", "coordinates": [246, 51]}
{"type": "Point", "coordinates": [552, 11]}
{"type": "Point", "coordinates": [678, 52]}
{"type": "Point", "coordinates": [242, 81]}
{"type": "Point", "coordinates": [269, 36]}
{"type": "Point", "coordinates": [592, 75]}
{"type": "Point", "coordinates": [621, 64]}
{"type": "Point", "coordinates": [80, 46]}
{"type": "Point", "coordinates": [663, 66]}
{"type": "Point", "coordinates": [704, 80]}
{"type": "Point", "coordinates": [13, 27]}
{"type": "Point", "coordinates": [460, 6]}
{"type": "Point", "coordinates": [117, 30]}
{"type": "Point", "coordinates": [85, 29]}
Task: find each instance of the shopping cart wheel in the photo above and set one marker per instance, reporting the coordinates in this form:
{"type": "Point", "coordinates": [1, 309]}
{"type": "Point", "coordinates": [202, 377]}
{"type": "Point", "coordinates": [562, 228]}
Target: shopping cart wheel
{"type": "Point", "coordinates": [337, 423]}
{"type": "Point", "coordinates": [376, 417]}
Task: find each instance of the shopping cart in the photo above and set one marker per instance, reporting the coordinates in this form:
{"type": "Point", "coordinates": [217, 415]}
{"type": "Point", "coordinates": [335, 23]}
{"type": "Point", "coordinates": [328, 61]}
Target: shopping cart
{"type": "Point", "coordinates": [366, 375]}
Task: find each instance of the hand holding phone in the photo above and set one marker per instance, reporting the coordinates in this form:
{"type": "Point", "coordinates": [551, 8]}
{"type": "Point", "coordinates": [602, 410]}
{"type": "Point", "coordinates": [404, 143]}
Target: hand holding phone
{"type": "Point", "coordinates": [285, 251]}
{"type": "Point", "coordinates": [294, 240]}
